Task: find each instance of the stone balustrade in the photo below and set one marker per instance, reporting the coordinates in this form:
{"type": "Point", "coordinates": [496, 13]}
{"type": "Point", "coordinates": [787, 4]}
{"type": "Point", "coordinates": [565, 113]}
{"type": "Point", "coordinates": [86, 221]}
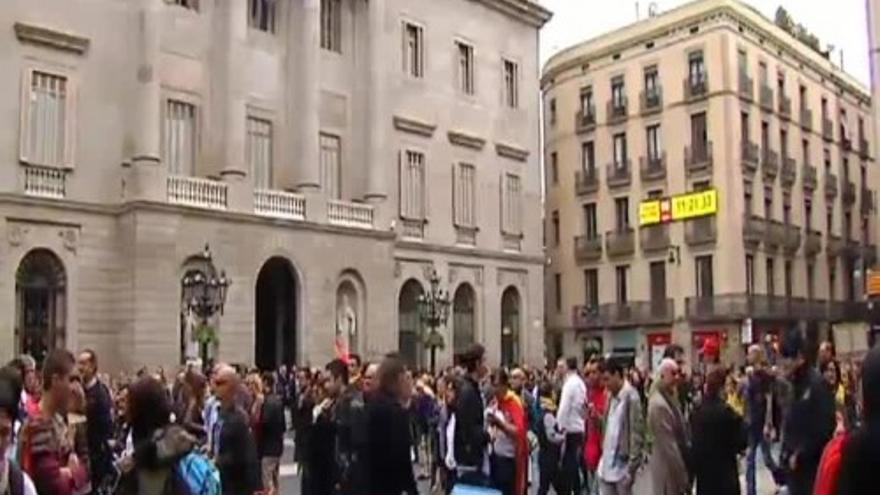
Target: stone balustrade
{"type": "Point", "coordinates": [349, 214]}
{"type": "Point", "coordinates": [279, 204]}
{"type": "Point", "coordinates": [45, 182]}
{"type": "Point", "coordinates": [197, 192]}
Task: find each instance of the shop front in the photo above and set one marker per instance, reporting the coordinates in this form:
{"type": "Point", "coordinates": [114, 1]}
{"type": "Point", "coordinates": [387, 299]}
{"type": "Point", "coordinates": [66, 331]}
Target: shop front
{"type": "Point", "coordinates": [623, 345]}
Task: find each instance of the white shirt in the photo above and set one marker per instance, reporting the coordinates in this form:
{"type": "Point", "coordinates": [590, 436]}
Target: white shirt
{"type": "Point", "coordinates": [572, 404]}
{"type": "Point", "coordinates": [611, 469]}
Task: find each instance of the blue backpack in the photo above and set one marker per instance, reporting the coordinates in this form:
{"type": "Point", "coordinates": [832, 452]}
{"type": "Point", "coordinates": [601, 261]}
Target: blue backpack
{"type": "Point", "coordinates": [198, 474]}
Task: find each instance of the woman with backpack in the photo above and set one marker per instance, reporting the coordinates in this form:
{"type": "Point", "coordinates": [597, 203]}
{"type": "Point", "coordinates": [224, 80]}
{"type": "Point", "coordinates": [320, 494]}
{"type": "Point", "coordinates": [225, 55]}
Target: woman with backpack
{"type": "Point", "coordinates": [13, 481]}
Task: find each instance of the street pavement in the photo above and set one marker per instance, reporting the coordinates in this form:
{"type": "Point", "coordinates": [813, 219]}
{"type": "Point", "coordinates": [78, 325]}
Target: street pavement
{"type": "Point", "coordinates": [290, 482]}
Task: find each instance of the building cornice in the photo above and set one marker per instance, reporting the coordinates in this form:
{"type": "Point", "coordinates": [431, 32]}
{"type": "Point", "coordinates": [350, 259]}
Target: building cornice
{"type": "Point", "coordinates": [465, 140]}
{"type": "Point", "coordinates": [50, 37]}
{"type": "Point", "coordinates": [637, 34]}
{"type": "Point", "coordinates": [413, 126]}
{"type": "Point", "coordinates": [512, 152]}
{"type": "Point", "coordinates": [527, 11]}
{"type": "Point", "coordinates": [469, 252]}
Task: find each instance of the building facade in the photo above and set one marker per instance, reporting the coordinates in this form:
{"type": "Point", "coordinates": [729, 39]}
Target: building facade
{"type": "Point", "coordinates": [715, 100]}
{"type": "Point", "coordinates": [331, 154]}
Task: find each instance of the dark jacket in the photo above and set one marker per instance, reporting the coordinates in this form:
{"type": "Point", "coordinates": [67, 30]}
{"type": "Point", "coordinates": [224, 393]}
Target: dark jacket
{"type": "Point", "coordinates": [470, 428]}
{"type": "Point", "coordinates": [808, 427]}
{"type": "Point", "coordinates": [320, 471]}
{"type": "Point", "coordinates": [718, 435]}
{"type": "Point", "coordinates": [272, 426]}
{"type": "Point", "coordinates": [154, 460]}
{"type": "Point", "coordinates": [390, 444]}
{"type": "Point", "coordinates": [237, 458]}
{"type": "Point", "coordinates": [352, 437]}
{"type": "Point", "coordinates": [99, 431]}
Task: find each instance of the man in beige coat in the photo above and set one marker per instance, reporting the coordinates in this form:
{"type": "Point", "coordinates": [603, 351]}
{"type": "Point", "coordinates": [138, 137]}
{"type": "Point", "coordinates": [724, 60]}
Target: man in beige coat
{"type": "Point", "coordinates": [669, 475]}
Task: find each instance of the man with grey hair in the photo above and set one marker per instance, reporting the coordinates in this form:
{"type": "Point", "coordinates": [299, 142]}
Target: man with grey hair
{"type": "Point", "coordinates": [669, 474]}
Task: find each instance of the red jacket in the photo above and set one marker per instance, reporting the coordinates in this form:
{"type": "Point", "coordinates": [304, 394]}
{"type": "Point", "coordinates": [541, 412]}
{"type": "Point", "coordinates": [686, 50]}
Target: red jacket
{"type": "Point", "coordinates": [829, 467]}
{"type": "Point", "coordinates": [597, 397]}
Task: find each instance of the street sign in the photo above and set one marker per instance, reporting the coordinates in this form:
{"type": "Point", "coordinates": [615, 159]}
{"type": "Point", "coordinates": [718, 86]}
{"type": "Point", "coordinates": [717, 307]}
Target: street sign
{"type": "Point", "coordinates": [677, 208]}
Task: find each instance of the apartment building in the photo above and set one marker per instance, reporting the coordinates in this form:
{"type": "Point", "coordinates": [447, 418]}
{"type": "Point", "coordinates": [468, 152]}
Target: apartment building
{"type": "Point", "coordinates": [759, 152]}
{"type": "Point", "coordinates": [328, 158]}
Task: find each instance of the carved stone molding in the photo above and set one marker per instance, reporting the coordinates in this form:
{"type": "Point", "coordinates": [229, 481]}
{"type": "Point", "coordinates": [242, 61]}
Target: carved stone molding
{"type": "Point", "coordinates": [528, 11]}
{"type": "Point", "coordinates": [398, 269]}
{"type": "Point", "coordinates": [456, 269]}
{"type": "Point", "coordinates": [413, 126]}
{"type": "Point", "coordinates": [16, 234]}
{"type": "Point", "coordinates": [512, 152]}
{"type": "Point", "coordinates": [70, 238]}
{"type": "Point", "coordinates": [50, 37]}
{"type": "Point", "coordinates": [465, 140]}
{"type": "Point", "coordinates": [513, 277]}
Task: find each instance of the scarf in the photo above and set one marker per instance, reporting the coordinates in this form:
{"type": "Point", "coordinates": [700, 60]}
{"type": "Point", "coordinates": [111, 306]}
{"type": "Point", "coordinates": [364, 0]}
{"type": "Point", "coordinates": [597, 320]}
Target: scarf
{"type": "Point", "coordinates": [548, 405]}
{"type": "Point", "coordinates": [511, 406]}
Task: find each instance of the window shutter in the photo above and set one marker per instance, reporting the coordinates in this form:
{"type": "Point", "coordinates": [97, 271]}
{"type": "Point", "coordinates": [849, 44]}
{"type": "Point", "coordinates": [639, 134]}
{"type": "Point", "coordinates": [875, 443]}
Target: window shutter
{"type": "Point", "coordinates": [455, 195]}
{"type": "Point", "coordinates": [70, 98]}
{"type": "Point", "coordinates": [425, 199]}
{"type": "Point", "coordinates": [25, 115]}
{"type": "Point", "coordinates": [400, 182]}
{"type": "Point", "coordinates": [501, 210]}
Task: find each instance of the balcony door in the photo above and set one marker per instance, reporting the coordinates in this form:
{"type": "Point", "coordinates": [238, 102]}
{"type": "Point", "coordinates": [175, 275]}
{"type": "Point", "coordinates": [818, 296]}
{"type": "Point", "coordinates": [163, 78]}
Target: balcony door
{"type": "Point", "coordinates": [699, 136]}
{"type": "Point", "coordinates": [658, 287]}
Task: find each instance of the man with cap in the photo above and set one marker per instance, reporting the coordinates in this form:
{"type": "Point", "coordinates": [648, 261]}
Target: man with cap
{"type": "Point", "coordinates": [810, 420]}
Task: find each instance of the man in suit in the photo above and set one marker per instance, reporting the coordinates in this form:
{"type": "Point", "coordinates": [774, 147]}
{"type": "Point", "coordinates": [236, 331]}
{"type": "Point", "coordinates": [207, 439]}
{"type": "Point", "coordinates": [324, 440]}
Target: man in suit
{"type": "Point", "coordinates": [669, 474]}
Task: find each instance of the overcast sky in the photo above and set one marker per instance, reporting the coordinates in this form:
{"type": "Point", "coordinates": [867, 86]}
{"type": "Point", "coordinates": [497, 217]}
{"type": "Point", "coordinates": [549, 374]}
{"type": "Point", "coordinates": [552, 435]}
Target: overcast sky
{"type": "Point", "coordinates": [838, 22]}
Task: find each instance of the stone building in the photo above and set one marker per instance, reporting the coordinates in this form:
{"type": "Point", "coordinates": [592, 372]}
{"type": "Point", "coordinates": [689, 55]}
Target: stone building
{"type": "Point", "coordinates": [772, 141]}
{"type": "Point", "coordinates": [332, 154]}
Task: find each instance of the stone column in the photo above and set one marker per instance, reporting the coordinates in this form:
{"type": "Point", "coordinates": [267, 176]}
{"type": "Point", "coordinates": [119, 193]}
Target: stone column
{"type": "Point", "coordinates": [379, 118]}
{"type": "Point", "coordinates": [146, 180]}
{"type": "Point", "coordinates": [309, 171]}
{"type": "Point", "coordinates": [235, 17]}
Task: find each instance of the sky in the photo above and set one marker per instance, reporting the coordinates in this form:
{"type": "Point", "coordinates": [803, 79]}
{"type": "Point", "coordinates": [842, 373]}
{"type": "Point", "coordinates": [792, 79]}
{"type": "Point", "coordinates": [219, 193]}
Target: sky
{"type": "Point", "coordinates": [841, 23]}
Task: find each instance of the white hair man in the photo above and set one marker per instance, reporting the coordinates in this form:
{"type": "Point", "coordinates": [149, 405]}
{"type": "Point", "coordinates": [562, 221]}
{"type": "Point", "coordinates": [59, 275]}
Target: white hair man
{"type": "Point", "coordinates": [668, 469]}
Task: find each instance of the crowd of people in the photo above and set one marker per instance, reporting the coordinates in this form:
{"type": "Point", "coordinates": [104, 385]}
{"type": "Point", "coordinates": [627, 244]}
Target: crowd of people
{"type": "Point", "coordinates": [379, 428]}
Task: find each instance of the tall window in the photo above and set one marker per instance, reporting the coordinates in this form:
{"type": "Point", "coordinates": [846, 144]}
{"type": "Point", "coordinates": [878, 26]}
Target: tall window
{"type": "Point", "coordinates": [413, 50]}
{"type": "Point", "coordinates": [258, 150]}
{"type": "Point", "coordinates": [783, 143]}
{"type": "Point", "coordinates": [511, 83]}
{"type": "Point", "coordinates": [824, 107]}
{"type": "Point", "coordinates": [588, 157]}
{"type": "Point", "coordinates": [762, 73]}
{"type": "Point", "coordinates": [618, 93]}
{"type": "Point", "coordinates": [802, 98]}
{"type": "Point", "coordinates": [465, 196]}
{"type": "Point", "coordinates": [744, 126]}
{"type": "Point", "coordinates": [771, 275]}
{"type": "Point", "coordinates": [788, 278]}
{"type": "Point", "coordinates": [555, 220]}
{"type": "Point", "coordinates": [179, 143]}
{"type": "Point", "coordinates": [750, 274]}
{"type": "Point", "coordinates": [847, 225]}
{"type": "Point", "coordinates": [652, 82]}
{"type": "Point", "coordinates": [412, 186]}
{"type": "Point", "coordinates": [552, 111]}
{"type": "Point", "coordinates": [826, 158]}
{"type": "Point", "coordinates": [747, 198]}
{"type": "Point", "coordinates": [780, 84]}
{"type": "Point", "coordinates": [331, 24]}
{"type": "Point", "coordinates": [705, 282]}
{"type": "Point", "coordinates": [189, 4]}
{"type": "Point", "coordinates": [47, 112]}
{"type": "Point", "coordinates": [621, 274]}
{"type": "Point", "coordinates": [554, 167]}
{"type": "Point", "coordinates": [832, 280]}
{"type": "Point", "coordinates": [829, 220]}
{"type": "Point", "coordinates": [511, 221]}
{"type": "Point", "coordinates": [261, 14]}
{"type": "Point", "coordinates": [808, 214]}
{"type": "Point", "coordinates": [591, 221]}
{"type": "Point", "coordinates": [696, 68]}
{"type": "Point", "coordinates": [653, 139]}
{"type": "Point", "coordinates": [765, 136]}
{"type": "Point", "coordinates": [742, 62]}
{"type": "Point", "coordinates": [331, 166]}
{"type": "Point", "coordinates": [587, 104]}
{"type": "Point", "coordinates": [557, 291]}
{"type": "Point", "coordinates": [466, 68]}
{"type": "Point", "coordinates": [699, 134]}
{"type": "Point", "coordinates": [805, 146]}
{"type": "Point", "coordinates": [621, 210]}
{"type": "Point", "coordinates": [620, 150]}
{"type": "Point", "coordinates": [768, 203]}
{"type": "Point", "coordinates": [591, 287]}
{"type": "Point", "coordinates": [811, 280]}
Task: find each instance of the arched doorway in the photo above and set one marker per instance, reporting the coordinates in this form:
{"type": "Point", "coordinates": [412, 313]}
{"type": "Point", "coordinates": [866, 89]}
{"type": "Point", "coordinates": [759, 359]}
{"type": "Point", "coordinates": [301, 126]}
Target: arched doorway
{"type": "Point", "coordinates": [510, 327]}
{"type": "Point", "coordinates": [276, 306]}
{"type": "Point", "coordinates": [409, 325]}
{"type": "Point", "coordinates": [41, 304]}
{"type": "Point", "coordinates": [462, 318]}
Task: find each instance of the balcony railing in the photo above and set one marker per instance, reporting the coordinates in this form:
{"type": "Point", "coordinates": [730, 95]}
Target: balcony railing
{"type": "Point", "coordinates": [852, 249]}
{"type": "Point", "coordinates": [651, 101]}
{"type": "Point", "coordinates": [848, 191]}
{"type": "Point", "coordinates": [830, 185]}
{"type": "Point", "coordinates": [864, 152]}
{"type": "Point", "coordinates": [754, 228]}
{"type": "Point", "coordinates": [732, 307]}
{"type": "Point", "coordinates": [279, 204]}
{"type": "Point", "coordinates": [700, 231]}
{"type": "Point", "coordinates": [412, 228]}
{"type": "Point", "coordinates": [618, 174]}
{"type": "Point", "coordinates": [348, 214]}
{"type": "Point", "coordinates": [585, 120]}
{"type": "Point", "coordinates": [588, 248]}
{"type": "Point", "coordinates": [827, 129]}
{"type": "Point", "coordinates": [654, 238]}
{"type": "Point", "coordinates": [698, 159]}
{"type": "Point", "coordinates": [809, 177]}
{"type": "Point", "coordinates": [869, 254]}
{"type": "Point", "coordinates": [696, 86]}
{"type": "Point", "coordinates": [746, 87]}
{"type": "Point", "coordinates": [197, 192]}
{"type": "Point", "coordinates": [750, 155]}
{"type": "Point", "coordinates": [812, 243]}
{"type": "Point", "coordinates": [774, 236]}
{"type": "Point", "coordinates": [45, 182]}
{"type": "Point", "coordinates": [788, 172]}
{"type": "Point", "coordinates": [834, 246]}
{"type": "Point", "coordinates": [845, 142]}
{"type": "Point", "coordinates": [769, 164]}
{"type": "Point", "coordinates": [653, 168]}
{"type": "Point", "coordinates": [792, 238]}
{"type": "Point", "coordinates": [766, 100]}
{"type": "Point", "coordinates": [617, 110]}
{"type": "Point", "coordinates": [586, 182]}
{"type": "Point", "coordinates": [866, 201]}
{"type": "Point", "coordinates": [784, 106]}
{"type": "Point", "coordinates": [620, 242]}
{"type": "Point", "coordinates": [806, 119]}
{"type": "Point", "coordinates": [631, 313]}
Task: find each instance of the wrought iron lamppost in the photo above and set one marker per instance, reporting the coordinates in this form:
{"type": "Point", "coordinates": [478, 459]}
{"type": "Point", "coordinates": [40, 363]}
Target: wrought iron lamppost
{"type": "Point", "coordinates": [204, 294]}
{"type": "Point", "coordinates": [434, 312]}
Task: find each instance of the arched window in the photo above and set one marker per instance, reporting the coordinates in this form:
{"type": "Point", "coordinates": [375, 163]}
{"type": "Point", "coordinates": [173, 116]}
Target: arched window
{"type": "Point", "coordinates": [411, 336]}
{"type": "Point", "coordinates": [462, 318]}
{"type": "Point", "coordinates": [41, 304]}
{"type": "Point", "coordinates": [510, 327]}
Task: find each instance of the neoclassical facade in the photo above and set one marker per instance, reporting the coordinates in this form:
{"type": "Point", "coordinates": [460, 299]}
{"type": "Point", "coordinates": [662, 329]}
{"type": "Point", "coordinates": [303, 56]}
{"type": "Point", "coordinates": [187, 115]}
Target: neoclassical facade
{"type": "Point", "coordinates": [331, 155]}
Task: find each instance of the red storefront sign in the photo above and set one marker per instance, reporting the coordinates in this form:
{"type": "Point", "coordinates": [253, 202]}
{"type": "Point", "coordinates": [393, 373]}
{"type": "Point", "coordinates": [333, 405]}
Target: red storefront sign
{"type": "Point", "coordinates": [657, 343]}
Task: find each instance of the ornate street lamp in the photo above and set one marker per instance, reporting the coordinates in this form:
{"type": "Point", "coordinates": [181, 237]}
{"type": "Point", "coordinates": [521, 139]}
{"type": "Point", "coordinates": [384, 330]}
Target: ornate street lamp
{"type": "Point", "coordinates": [433, 312]}
{"type": "Point", "coordinates": [204, 295]}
